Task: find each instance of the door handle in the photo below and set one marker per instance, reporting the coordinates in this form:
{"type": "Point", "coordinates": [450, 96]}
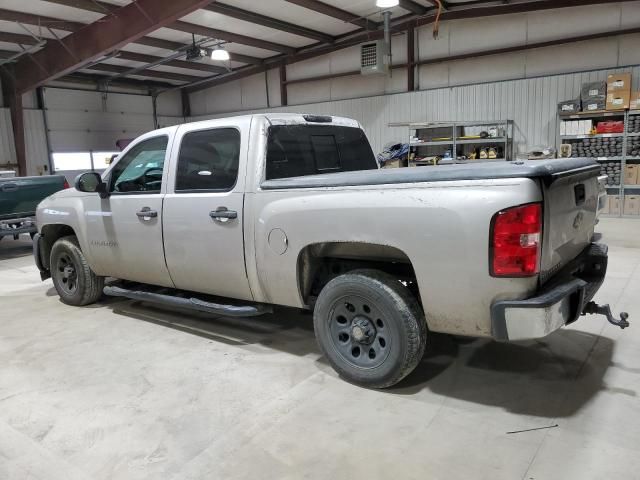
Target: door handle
{"type": "Point", "coordinates": [9, 187]}
{"type": "Point", "coordinates": [146, 213]}
{"type": "Point", "coordinates": [222, 214]}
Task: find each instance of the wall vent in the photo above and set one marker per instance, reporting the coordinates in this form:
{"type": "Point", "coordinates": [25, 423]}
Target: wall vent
{"type": "Point", "coordinates": [372, 58]}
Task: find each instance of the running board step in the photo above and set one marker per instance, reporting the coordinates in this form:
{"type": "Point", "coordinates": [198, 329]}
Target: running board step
{"type": "Point", "coordinates": [190, 303]}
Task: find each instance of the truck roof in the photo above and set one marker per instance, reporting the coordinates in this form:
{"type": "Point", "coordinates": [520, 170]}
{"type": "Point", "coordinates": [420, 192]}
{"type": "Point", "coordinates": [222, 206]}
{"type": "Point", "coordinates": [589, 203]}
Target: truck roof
{"type": "Point", "coordinates": [277, 118]}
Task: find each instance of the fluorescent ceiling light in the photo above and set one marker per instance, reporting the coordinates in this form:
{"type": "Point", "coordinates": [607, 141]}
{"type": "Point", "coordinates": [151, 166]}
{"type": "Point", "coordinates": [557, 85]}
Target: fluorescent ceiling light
{"type": "Point", "coordinates": [220, 54]}
{"type": "Point", "coordinates": [387, 3]}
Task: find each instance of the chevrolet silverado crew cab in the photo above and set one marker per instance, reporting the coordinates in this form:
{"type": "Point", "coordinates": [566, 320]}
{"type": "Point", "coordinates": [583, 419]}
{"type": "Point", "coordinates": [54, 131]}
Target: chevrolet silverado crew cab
{"type": "Point", "coordinates": [232, 216]}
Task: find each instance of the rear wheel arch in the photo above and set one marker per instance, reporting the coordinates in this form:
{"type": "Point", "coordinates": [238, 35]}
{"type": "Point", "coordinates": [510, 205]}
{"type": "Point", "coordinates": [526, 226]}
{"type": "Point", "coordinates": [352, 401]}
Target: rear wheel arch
{"type": "Point", "coordinates": [319, 263]}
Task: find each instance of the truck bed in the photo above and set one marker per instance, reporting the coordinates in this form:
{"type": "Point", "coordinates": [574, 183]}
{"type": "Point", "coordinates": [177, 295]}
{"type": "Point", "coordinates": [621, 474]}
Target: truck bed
{"type": "Point", "coordinates": [20, 196]}
{"type": "Point", "coordinates": [547, 170]}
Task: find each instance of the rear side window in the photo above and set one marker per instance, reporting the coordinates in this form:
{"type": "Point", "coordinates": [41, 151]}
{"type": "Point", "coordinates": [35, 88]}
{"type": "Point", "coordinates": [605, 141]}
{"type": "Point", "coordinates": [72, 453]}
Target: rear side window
{"type": "Point", "coordinates": [299, 150]}
{"type": "Point", "coordinates": [208, 160]}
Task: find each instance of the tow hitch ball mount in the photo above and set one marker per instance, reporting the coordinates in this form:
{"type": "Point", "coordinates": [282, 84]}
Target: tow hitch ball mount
{"type": "Point", "coordinates": [593, 308]}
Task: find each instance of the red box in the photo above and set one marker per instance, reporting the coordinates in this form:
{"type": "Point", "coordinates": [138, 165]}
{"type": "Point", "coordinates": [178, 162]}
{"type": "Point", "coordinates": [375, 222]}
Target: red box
{"type": "Point", "coordinates": [610, 127]}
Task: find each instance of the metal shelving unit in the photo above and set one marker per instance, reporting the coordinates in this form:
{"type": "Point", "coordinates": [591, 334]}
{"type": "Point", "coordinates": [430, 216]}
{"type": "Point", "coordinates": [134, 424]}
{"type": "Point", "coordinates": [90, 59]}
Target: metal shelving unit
{"type": "Point", "coordinates": [434, 142]}
{"type": "Point", "coordinates": [616, 190]}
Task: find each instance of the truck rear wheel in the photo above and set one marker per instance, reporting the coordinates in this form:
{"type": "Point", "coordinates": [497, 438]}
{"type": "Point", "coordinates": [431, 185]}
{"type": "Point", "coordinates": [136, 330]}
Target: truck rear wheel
{"type": "Point", "coordinates": [370, 328]}
{"type": "Point", "coordinates": [72, 277]}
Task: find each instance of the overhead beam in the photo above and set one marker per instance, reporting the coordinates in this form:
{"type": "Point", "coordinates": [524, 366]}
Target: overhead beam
{"type": "Point", "coordinates": [143, 58]}
{"type": "Point", "coordinates": [17, 38]}
{"type": "Point", "coordinates": [362, 36]}
{"type": "Point", "coordinates": [331, 11]}
{"type": "Point", "coordinates": [413, 7]}
{"type": "Point", "coordinates": [104, 8]}
{"type": "Point", "coordinates": [118, 69]}
{"type": "Point", "coordinates": [29, 19]}
{"type": "Point", "coordinates": [88, 44]}
{"type": "Point", "coordinates": [256, 18]}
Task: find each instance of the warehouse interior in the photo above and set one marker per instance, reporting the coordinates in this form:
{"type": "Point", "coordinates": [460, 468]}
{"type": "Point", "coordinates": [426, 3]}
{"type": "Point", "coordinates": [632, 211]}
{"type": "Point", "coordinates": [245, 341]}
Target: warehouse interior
{"type": "Point", "coordinates": [127, 389]}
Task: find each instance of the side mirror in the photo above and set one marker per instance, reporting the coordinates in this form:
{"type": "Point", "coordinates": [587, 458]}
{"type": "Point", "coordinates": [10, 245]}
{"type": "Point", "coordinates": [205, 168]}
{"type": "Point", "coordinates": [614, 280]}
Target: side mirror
{"type": "Point", "coordinates": [91, 182]}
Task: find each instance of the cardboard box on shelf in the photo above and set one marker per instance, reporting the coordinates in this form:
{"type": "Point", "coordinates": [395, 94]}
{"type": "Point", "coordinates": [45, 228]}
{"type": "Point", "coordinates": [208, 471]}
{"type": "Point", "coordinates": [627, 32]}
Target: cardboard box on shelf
{"type": "Point", "coordinates": [614, 205]}
{"type": "Point", "coordinates": [631, 205]}
{"type": "Point", "coordinates": [586, 126]}
{"type": "Point", "coordinates": [618, 100]}
{"type": "Point", "coordinates": [631, 175]}
{"type": "Point", "coordinates": [634, 104]}
{"type": "Point", "coordinates": [619, 83]}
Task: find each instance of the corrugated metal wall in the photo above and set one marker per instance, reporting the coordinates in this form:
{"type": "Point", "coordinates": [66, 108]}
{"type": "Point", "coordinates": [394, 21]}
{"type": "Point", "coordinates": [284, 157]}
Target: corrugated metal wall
{"type": "Point", "coordinates": [7, 148]}
{"type": "Point", "coordinates": [531, 103]}
{"type": "Point", "coordinates": [36, 143]}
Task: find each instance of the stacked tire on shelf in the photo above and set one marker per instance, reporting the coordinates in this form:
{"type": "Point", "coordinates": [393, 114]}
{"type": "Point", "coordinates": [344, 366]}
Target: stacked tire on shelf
{"type": "Point", "coordinates": [597, 147]}
{"type": "Point", "coordinates": [634, 124]}
{"type": "Point", "coordinates": [613, 170]}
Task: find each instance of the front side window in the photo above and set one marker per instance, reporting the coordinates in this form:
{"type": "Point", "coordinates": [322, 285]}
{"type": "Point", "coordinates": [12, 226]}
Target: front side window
{"type": "Point", "coordinates": [140, 169]}
{"type": "Point", "coordinates": [208, 160]}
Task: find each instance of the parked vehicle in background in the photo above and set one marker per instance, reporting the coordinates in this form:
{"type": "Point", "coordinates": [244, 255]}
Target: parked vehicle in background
{"type": "Point", "coordinates": [19, 198]}
{"type": "Point", "coordinates": [285, 209]}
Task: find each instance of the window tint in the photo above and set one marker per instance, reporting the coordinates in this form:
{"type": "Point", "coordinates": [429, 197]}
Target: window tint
{"type": "Point", "coordinates": [298, 150]}
{"type": "Point", "coordinates": [140, 170]}
{"type": "Point", "coordinates": [208, 160]}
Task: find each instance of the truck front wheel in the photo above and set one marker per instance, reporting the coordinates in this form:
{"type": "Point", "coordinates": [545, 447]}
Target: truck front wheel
{"type": "Point", "coordinates": [72, 277]}
{"type": "Point", "coordinates": [370, 328]}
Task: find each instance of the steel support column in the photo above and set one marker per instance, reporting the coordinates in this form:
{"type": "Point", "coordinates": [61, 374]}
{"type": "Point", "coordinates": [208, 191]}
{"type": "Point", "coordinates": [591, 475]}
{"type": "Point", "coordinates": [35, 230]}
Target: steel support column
{"type": "Point", "coordinates": [14, 100]}
{"type": "Point", "coordinates": [411, 60]}
{"type": "Point", "coordinates": [284, 101]}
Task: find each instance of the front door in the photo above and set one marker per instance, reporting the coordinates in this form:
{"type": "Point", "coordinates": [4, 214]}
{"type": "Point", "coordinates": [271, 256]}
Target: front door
{"type": "Point", "coordinates": [203, 214]}
{"type": "Point", "coordinates": [125, 230]}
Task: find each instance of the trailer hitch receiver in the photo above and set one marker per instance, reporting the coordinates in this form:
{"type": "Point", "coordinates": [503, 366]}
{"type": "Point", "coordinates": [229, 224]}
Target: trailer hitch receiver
{"type": "Point", "coordinates": [592, 308]}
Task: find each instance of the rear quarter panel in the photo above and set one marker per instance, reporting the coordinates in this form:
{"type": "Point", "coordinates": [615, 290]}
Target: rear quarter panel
{"type": "Point", "coordinates": [442, 227]}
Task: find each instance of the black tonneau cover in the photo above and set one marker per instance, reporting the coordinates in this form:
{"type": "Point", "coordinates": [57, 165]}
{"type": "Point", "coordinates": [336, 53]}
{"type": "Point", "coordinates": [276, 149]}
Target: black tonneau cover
{"type": "Point", "coordinates": [547, 170]}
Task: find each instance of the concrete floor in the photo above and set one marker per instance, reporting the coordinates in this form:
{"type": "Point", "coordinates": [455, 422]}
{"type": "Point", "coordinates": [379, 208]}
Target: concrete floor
{"type": "Point", "coordinates": [126, 391]}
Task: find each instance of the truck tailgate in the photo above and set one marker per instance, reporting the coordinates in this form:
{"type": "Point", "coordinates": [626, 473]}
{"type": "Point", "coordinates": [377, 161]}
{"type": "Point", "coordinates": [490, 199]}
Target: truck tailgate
{"type": "Point", "coordinates": [570, 212]}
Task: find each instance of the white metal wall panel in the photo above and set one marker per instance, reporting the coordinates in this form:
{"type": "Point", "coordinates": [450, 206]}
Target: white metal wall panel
{"type": "Point", "coordinates": [168, 121]}
{"type": "Point", "coordinates": [7, 147]}
{"type": "Point", "coordinates": [36, 143]}
{"type": "Point", "coordinates": [531, 103]}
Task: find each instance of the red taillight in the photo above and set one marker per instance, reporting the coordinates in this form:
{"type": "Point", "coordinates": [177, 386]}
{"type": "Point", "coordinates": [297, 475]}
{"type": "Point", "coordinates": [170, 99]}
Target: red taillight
{"type": "Point", "coordinates": [516, 241]}
{"type": "Point", "coordinates": [66, 184]}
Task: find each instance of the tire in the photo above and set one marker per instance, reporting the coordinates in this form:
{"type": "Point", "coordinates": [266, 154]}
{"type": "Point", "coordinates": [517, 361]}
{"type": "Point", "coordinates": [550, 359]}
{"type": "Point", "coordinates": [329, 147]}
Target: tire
{"type": "Point", "coordinates": [72, 277]}
{"type": "Point", "coordinates": [370, 328]}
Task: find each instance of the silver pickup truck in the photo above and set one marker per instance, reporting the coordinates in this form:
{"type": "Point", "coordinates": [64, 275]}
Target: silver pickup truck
{"type": "Point", "coordinates": [232, 216]}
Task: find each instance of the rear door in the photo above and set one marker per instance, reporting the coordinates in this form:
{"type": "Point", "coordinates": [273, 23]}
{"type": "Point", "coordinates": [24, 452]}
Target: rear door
{"type": "Point", "coordinates": [203, 211]}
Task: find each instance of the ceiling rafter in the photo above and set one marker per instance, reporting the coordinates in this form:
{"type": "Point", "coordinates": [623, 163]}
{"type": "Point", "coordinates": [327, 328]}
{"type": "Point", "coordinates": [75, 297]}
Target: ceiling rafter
{"type": "Point", "coordinates": [118, 69]}
{"type": "Point", "coordinates": [93, 41]}
{"type": "Point", "coordinates": [103, 7]}
{"type": "Point", "coordinates": [331, 11]}
{"type": "Point", "coordinates": [256, 18]}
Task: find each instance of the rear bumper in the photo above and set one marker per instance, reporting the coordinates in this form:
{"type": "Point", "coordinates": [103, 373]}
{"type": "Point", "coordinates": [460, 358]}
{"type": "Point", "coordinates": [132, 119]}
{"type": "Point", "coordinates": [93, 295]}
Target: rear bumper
{"type": "Point", "coordinates": [560, 302]}
{"type": "Point", "coordinates": [17, 226]}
